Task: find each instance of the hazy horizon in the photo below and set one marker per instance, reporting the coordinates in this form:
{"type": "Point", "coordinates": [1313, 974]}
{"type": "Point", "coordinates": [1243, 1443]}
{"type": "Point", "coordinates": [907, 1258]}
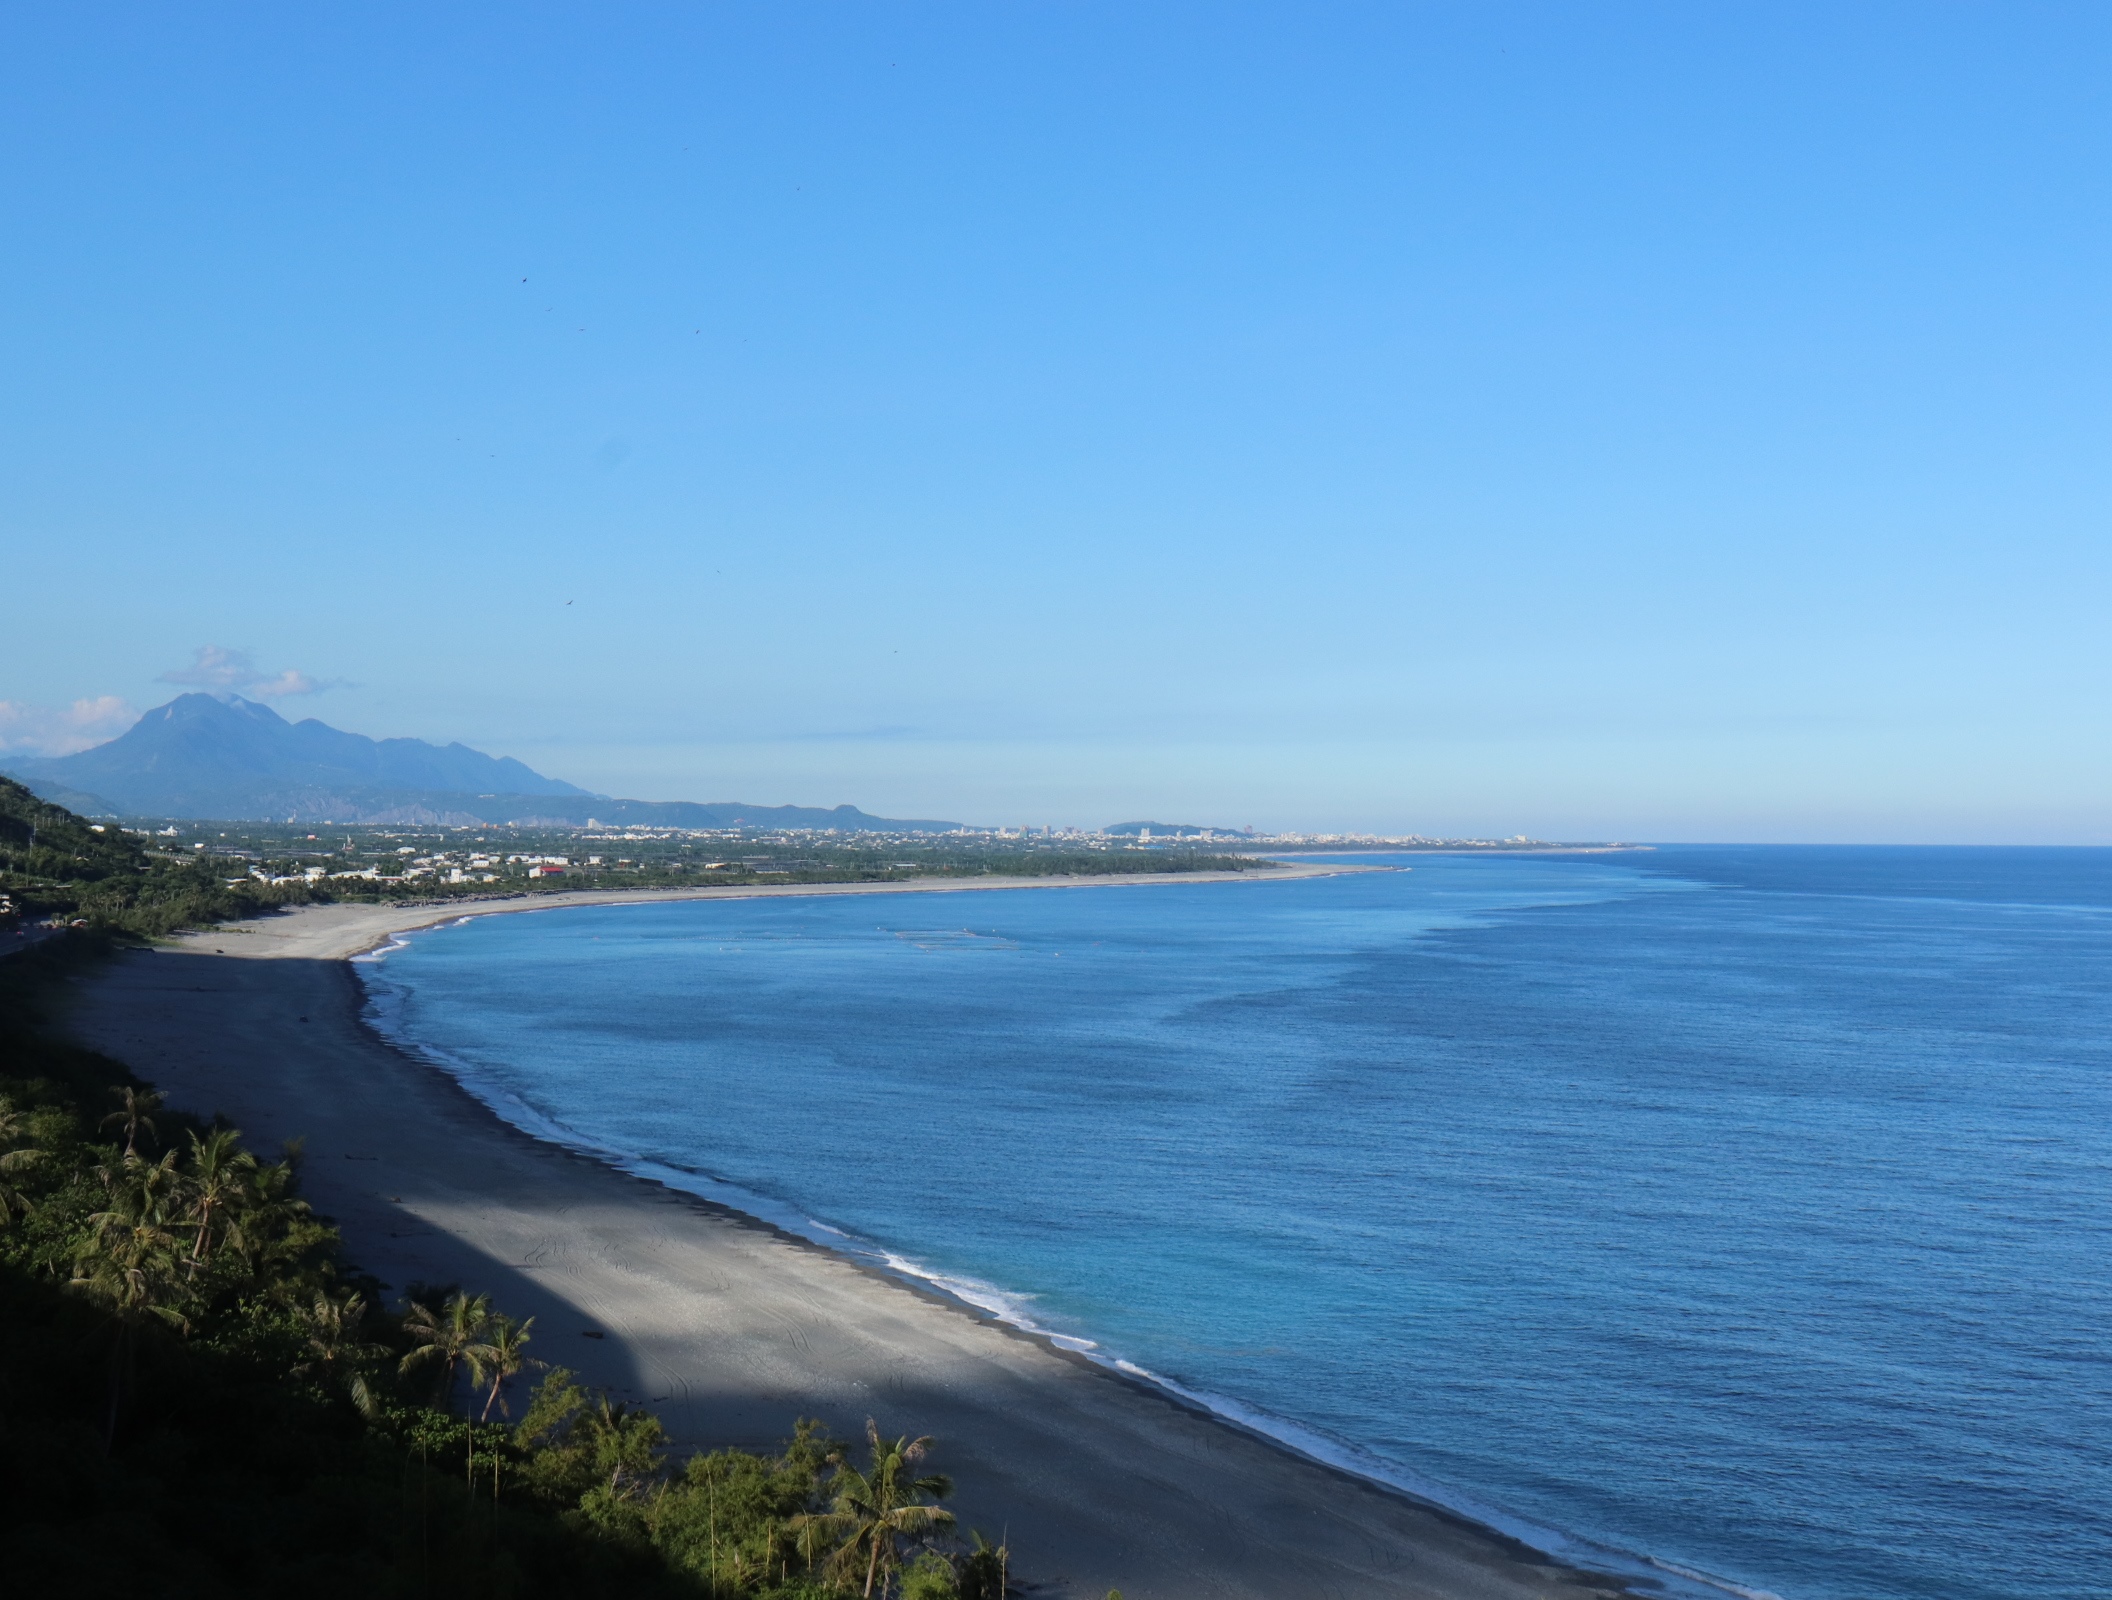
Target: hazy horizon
{"type": "Point", "coordinates": [1632, 423]}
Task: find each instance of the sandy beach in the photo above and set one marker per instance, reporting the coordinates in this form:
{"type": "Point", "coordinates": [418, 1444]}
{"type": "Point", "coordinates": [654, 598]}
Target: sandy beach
{"type": "Point", "coordinates": [729, 1328]}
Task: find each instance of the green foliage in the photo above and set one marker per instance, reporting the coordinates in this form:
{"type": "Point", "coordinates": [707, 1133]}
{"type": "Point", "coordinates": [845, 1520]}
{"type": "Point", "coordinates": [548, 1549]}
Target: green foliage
{"type": "Point", "coordinates": [41, 840]}
{"type": "Point", "coordinates": [874, 1513]}
{"type": "Point", "coordinates": [53, 863]}
{"type": "Point", "coordinates": [982, 1572]}
{"type": "Point", "coordinates": [929, 1577]}
{"type": "Point", "coordinates": [733, 1518]}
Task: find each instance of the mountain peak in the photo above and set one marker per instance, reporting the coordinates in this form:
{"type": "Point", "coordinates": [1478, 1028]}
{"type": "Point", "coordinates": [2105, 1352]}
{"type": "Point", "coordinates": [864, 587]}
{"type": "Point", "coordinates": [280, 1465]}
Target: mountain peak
{"type": "Point", "coordinates": [206, 703]}
{"type": "Point", "coordinates": [219, 755]}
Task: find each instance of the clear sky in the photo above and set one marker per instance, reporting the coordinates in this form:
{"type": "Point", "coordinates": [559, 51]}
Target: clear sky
{"type": "Point", "coordinates": [1647, 421]}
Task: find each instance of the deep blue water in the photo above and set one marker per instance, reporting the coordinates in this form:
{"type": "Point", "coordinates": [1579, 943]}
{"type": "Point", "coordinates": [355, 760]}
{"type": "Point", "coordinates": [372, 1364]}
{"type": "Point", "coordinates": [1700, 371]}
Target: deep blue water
{"type": "Point", "coordinates": [1744, 1207]}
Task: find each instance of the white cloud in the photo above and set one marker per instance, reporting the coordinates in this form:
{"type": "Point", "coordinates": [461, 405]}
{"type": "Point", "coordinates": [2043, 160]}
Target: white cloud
{"type": "Point", "coordinates": [59, 731]}
{"type": "Point", "coordinates": [215, 666]}
{"type": "Point", "coordinates": [288, 682]}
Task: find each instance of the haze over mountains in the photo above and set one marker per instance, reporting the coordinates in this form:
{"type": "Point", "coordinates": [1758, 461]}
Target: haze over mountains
{"type": "Point", "coordinates": [221, 756]}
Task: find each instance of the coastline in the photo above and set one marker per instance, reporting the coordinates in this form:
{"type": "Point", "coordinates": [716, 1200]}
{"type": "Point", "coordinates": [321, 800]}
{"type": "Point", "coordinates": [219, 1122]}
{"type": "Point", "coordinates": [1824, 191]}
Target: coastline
{"type": "Point", "coordinates": [352, 928]}
{"type": "Point", "coordinates": [728, 1325]}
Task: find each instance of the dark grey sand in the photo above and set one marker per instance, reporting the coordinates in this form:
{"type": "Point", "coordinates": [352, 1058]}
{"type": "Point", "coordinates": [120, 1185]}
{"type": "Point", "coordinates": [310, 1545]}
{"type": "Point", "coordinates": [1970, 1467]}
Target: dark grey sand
{"type": "Point", "coordinates": [729, 1328]}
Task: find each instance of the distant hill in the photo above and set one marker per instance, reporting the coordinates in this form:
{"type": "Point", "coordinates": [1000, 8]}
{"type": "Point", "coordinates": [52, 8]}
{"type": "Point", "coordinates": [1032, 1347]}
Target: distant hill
{"type": "Point", "coordinates": [466, 810]}
{"type": "Point", "coordinates": [222, 756]}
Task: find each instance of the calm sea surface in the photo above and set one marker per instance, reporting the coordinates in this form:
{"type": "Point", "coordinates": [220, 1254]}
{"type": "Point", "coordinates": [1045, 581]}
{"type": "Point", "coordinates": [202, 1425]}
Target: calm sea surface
{"type": "Point", "coordinates": [1749, 1209]}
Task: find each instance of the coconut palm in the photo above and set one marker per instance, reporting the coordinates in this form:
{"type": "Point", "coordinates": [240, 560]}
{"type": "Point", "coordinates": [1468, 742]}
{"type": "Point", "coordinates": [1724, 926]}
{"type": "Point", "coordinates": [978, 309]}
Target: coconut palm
{"type": "Point", "coordinates": [217, 1180]}
{"type": "Point", "coordinates": [624, 1443]}
{"type": "Point", "coordinates": [13, 1199]}
{"type": "Point", "coordinates": [875, 1510]}
{"type": "Point", "coordinates": [444, 1335]}
{"type": "Point", "coordinates": [259, 1221]}
{"type": "Point", "coordinates": [337, 1355]}
{"type": "Point", "coordinates": [14, 1121]}
{"type": "Point", "coordinates": [499, 1355]}
{"type": "Point", "coordinates": [17, 1158]}
{"type": "Point", "coordinates": [982, 1571]}
{"type": "Point", "coordinates": [144, 1197]}
{"type": "Point", "coordinates": [131, 1261]}
{"type": "Point", "coordinates": [135, 1110]}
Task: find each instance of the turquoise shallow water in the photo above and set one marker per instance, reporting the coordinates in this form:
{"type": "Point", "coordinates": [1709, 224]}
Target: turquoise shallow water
{"type": "Point", "coordinates": [1743, 1208]}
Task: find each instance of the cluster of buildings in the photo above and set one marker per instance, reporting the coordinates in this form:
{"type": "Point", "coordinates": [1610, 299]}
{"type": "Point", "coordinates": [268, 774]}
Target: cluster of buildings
{"type": "Point", "coordinates": [707, 850]}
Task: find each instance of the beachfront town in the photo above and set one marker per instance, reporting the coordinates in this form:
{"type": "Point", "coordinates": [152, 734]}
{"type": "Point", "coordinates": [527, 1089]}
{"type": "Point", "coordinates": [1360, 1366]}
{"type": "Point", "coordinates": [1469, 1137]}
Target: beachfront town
{"type": "Point", "coordinates": [358, 861]}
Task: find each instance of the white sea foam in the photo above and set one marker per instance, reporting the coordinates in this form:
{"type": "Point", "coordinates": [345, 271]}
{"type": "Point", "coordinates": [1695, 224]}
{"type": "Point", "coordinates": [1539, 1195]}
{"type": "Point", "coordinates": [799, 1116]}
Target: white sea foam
{"type": "Point", "coordinates": [1740, 1590]}
{"type": "Point", "coordinates": [384, 1012]}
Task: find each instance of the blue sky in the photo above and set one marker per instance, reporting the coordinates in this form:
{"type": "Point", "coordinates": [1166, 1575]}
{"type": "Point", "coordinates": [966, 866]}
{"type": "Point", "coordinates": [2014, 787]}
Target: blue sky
{"type": "Point", "coordinates": [1589, 421]}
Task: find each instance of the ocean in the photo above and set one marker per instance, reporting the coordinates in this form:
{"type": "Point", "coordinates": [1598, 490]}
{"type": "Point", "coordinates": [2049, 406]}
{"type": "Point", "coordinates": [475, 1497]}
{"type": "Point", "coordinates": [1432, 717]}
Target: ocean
{"type": "Point", "coordinates": [1735, 1212]}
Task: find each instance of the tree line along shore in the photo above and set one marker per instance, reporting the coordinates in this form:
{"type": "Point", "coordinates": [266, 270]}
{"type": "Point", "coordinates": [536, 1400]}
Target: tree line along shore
{"type": "Point", "coordinates": [202, 1394]}
{"type": "Point", "coordinates": [155, 878]}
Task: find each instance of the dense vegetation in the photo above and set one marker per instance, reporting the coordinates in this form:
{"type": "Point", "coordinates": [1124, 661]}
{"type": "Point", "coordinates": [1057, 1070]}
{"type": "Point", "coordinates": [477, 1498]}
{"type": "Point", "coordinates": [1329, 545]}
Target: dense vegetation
{"type": "Point", "coordinates": [201, 1396]}
{"type": "Point", "coordinates": [53, 863]}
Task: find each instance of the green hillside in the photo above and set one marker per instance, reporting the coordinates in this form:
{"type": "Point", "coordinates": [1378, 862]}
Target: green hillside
{"type": "Point", "coordinates": [55, 864]}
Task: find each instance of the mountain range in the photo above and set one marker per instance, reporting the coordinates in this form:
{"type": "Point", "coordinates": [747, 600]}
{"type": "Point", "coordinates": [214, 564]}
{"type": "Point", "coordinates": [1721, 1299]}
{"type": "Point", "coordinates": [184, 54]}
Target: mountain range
{"type": "Point", "coordinates": [221, 756]}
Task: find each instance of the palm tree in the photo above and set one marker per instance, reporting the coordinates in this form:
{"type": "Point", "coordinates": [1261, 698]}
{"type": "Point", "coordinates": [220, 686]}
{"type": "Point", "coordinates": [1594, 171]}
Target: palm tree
{"type": "Point", "coordinates": [143, 1195]}
{"type": "Point", "coordinates": [259, 1220]}
{"type": "Point", "coordinates": [625, 1444]}
{"type": "Point", "coordinates": [874, 1510]}
{"type": "Point", "coordinates": [135, 1110]}
{"type": "Point", "coordinates": [18, 1158]}
{"type": "Point", "coordinates": [499, 1355]}
{"type": "Point", "coordinates": [130, 1261]}
{"type": "Point", "coordinates": [982, 1571]}
{"type": "Point", "coordinates": [336, 1352]}
{"type": "Point", "coordinates": [218, 1180]}
{"type": "Point", "coordinates": [445, 1335]}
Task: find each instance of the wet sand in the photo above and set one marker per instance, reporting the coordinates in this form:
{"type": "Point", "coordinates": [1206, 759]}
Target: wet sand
{"type": "Point", "coordinates": [729, 1328]}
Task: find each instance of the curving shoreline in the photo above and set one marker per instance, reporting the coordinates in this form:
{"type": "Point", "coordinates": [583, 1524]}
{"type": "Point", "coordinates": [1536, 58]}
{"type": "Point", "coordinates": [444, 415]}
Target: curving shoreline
{"type": "Point", "coordinates": [353, 928]}
{"type": "Point", "coordinates": [729, 1326]}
